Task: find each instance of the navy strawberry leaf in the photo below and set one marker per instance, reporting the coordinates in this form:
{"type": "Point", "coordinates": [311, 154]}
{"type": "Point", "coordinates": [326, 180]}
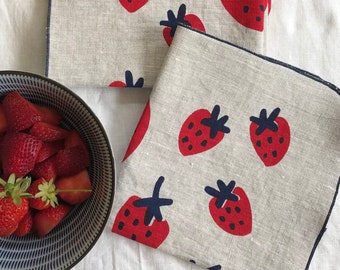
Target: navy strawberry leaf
{"type": "Point", "coordinates": [173, 21]}
{"type": "Point", "coordinates": [216, 124]}
{"type": "Point", "coordinates": [265, 122]}
{"type": "Point", "coordinates": [153, 203]}
{"type": "Point", "coordinates": [129, 80]}
{"type": "Point", "coordinates": [223, 194]}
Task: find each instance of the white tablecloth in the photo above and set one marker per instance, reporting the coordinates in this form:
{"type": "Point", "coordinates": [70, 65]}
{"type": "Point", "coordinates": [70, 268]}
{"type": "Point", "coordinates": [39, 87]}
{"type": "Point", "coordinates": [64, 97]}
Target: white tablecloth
{"type": "Point", "coordinates": [309, 40]}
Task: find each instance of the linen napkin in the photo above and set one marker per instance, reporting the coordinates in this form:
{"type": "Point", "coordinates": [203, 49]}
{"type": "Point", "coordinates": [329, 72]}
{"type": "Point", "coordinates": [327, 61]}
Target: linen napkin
{"type": "Point", "coordinates": [123, 43]}
{"type": "Point", "coordinates": [234, 163]}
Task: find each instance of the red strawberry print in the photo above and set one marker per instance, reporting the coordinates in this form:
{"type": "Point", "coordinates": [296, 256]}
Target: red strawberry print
{"type": "Point", "coordinates": [140, 131]}
{"type": "Point", "coordinates": [128, 81]}
{"type": "Point", "coordinates": [230, 208]}
{"type": "Point", "coordinates": [141, 219]}
{"type": "Point", "coordinates": [133, 5]}
{"type": "Point", "coordinates": [249, 13]}
{"type": "Point", "coordinates": [190, 20]}
{"type": "Point", "coordinates": [202, 131]}
{"type": "Point", "coordinates": [270, 136]}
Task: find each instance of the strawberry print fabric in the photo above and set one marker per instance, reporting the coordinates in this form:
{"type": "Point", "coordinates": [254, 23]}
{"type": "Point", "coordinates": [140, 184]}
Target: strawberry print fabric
{"type": "Point", "coordinates": [225, 168]}
{"type": "Point", "coordinates": [123, 43]}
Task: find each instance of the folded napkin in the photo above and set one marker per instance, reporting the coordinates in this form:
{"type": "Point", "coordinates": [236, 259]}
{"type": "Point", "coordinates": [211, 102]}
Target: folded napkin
{"type": "Point", "coordinates": [234, 163]}
{"type": "Point", "coordinates": [124, 42]}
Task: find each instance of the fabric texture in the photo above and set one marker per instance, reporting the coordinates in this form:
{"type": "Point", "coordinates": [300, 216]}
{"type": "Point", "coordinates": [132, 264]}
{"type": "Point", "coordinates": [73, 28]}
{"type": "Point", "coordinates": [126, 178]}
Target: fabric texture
{"type": "Point", "coordinates": [224, 168]}
{"type": "Point", "coordinates": [125, 42]}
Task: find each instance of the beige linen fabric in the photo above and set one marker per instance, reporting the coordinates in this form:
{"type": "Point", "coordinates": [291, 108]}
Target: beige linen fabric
{"type": "Point", "coordinates": [290, 201]}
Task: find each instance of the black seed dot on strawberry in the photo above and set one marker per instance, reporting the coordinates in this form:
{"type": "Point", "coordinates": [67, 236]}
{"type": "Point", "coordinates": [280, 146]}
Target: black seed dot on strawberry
{"type": "Point", "coordinates": [258, 143]}
{"type": "Point", "coordinates": [262, 8]}
{"type": "Point", "coordinates": [245, 9]}
{"type": "Point", "coordinates": [121, 225]}
{"type": "Point", "coordinates": [191, 125]}
{"type": "Point", "coordinates": [198, 132]}
{"type": "Point", "coordinates": [185, 139]}
{"type": "Point", "coordinates": [133, 237]}
{"type": "Point", "coordinates": [281, 140]}
{"type": "Point", "coordinates": [274, 153]}
{"type": "Point", "coordinates": [228, 210]}
{"type": "Point", "coordinates": [127, 212]}
{"type": "Point", "coordinates": [232, 226]}
{"type": "Point", "coordinates": [258, 18]}
{"type": "Point", "coordinates": [190, 147]}
{"type": "Point", "coordinates": [237, 209]}
{"type": "Point", "coordinates": [265, 155]}
{"type": "Point", "coordinates": [222, 218]}
{"type": "Point", "coordinates": [269, 139]}
{"type": "Point", "coordinates": [135, 222]}
{"type": "Point", "coordinates": [241, 222]}
{"type": "Point", "coordinates": [204, 142]}
{"type": "Point", "coordinates": [148, 233]}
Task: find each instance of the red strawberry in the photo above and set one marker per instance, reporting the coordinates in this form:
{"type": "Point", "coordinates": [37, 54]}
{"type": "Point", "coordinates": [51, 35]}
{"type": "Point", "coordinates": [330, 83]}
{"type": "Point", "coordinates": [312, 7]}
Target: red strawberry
{"type": "Point", "coordinates": [46, 220]}
{"type": "Point", "coordinates": [249, 13]}
{"type": "Point", "coordinates": [19, 153]}
{"type": "Point", "coordinates": [140, 131]}
{"type": "Point", "coordinates": [270, 136]}
{"type": "Point", "coordinates": [72, 160]}
{"type": "Point", "coordinates": [187, 19]}
{"type": "Point", "coordinates": [47, 132]}
{"type": "Point", "coordinates": [20, 113]}
{"type": "Point", "coordinates": [128, 81]}
{"type": "Point", "coordinates": [25, 225]}
{"type": "Point", "coordinates": [43, 194]}
{"type": "Point", "coordinates": [73, 139]}
{"type": "Point", "coordinates": [133, 5]}
{"type": "Point", "coordinates": [202, 131]}
{"type": "Point", "coordinates": [49, 115]}
{"type": "Point", "coordinates": [3, 122]}
{"type": "Point", "coordinates": [230, 208]}
{"type": "Point", "coordinates": [45, 169]}
{"type": "Point", "coordinates": [48, 149]}
{"type": "Point", "coordinates": [79, 182]}
{"type": "Point", "coordinates": [141, 219]}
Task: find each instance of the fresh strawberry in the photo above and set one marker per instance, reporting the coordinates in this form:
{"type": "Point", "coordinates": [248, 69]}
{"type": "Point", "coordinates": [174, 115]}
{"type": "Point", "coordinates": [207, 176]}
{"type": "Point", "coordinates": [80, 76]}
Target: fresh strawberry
{"type": "Point", "coordinates": [49, 115]}
{"type": "Point", "coordinates": [249, 13]}
{"type": "Point", "coordinates": [141, 219]}
{"type": "Point", "coordinates": [45, 169]}
{"type": "Point", "coordinates": [72, 160]}
{"type": "Point", "coordinates": [48, 149]}
{"type": "Point", "coordinates": [171, 24]}
{"type": "Point", "coordinates": [47, 132]}
{"type": "Point", "coordinates": [133, 5]}
{"type": "Point", "coordinates": [46, 220]}
{"type": "Point", "coordinates": [80, 183]}
{"type": "Point", "coordinates": [128, 81]}
{"type": "Point", "coordinates": [230, 208]}
{"type": "Point", "coordinates": [202, 131]}
{"type": "Point", "coordinates": [73, 139]}
{"type": "Point", "coordinates": [20, 113]}
{"type": "Point", "coordinates": [19, 153]}
{"type": "Point", "coordinates": [13, 204]}
{"type": "Point", "coordinates": [25, 225]}
{"type": "Point", "coordinates": [140, 131]}
{"type": "Point", "coordinates": [270, 136]}
{"type": "Point", "coordinates": [44, 195]}
{"type": "Point", "coordinates": [3, 122]}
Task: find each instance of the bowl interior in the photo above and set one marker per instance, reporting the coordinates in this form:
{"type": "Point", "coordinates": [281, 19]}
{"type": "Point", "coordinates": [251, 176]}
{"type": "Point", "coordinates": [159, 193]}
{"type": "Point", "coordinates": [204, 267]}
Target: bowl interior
{"type": "Point", "coordinates": [73, 238]}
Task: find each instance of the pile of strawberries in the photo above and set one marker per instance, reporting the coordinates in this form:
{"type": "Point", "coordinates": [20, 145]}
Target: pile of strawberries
{"type": "Point", "coordinates": [43, 168]}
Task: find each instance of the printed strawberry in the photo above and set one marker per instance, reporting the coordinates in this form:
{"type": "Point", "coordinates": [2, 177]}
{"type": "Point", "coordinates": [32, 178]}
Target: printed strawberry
{"type": "Point", "coordinates": [25, 225]}
{"type": "Point", "coordinates": [141, 219]}
{"type": "Point", "coordinates": [70, 161]}
{"type": "Point", "coordinates": [44, 194]}
{"type": "Point", "coordinates": [249, 13]}
{"type": "Point", "coordinates": [171, 24]}
{"type": "Point", "coordinates": [128, 81]}
{"type": "Point", "coordinates": [202, 131]}
{"type": "Point", "coordinates": [140, 131]}
{"type": "Point", "coordinates": [46, 220]}
{"type": "Point", "coordinates": [80, 183]}
{"type": "Point", "coordinates": [48, 149]}
{"type": "Point", "coordinates": [47, 132]}
{"type": "Point", "coordinates": [49, 115]}
{"type": "Point", "coordinates": [133, 5]}
{"type": "Point", "coordinates": [19, 153]}
{"type": "Point", "coordinates": [45, 169]}
{"type": "Point", "coordinates": [13, 204]}
{"type": "Point", "coordinates": [230, 208]}
{"type": "Point", "coordinates": [270, 136]}
{"type": "Point", "coordinates": [20, 113]}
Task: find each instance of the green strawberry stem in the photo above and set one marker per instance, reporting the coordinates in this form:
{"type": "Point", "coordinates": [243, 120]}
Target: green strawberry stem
{"type": "Point", "coordinates": [15, 188]}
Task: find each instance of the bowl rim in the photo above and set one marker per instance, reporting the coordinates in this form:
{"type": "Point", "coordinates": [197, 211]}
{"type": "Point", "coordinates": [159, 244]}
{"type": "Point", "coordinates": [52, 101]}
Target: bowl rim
{"type": "Point", "coordinates": [107, 142]}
